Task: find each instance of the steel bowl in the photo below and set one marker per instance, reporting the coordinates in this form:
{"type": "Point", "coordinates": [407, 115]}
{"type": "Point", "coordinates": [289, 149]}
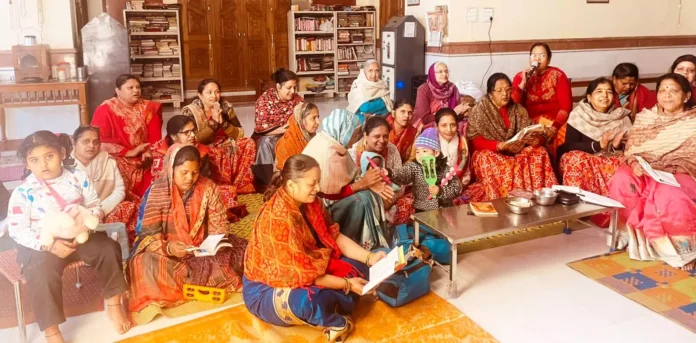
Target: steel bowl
{"type": "Point", "coordinates": [545, 196]}
{"type": "Point", "coordinates": [519, 205]}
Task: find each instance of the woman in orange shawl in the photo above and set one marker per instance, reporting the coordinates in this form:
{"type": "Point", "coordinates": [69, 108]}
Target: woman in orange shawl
{"type": "Point", "coordinates": [299, 269]}
{"type": "Point", "coordinates": [302, 126]}
{"type": "Point", "coordinates": [402, 134]}
{"type": "Point", "coordinates": [179, 211]}
{"type": "Point", "coordinates": [128, 125]}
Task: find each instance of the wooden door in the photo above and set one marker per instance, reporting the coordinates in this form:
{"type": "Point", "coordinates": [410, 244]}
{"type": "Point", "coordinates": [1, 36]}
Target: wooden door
{"type": "Point", "coordinates": [257, 56]}
{"type": "Point", "coordinates": [279, 34]}
{"type": "Point", "coordinates": [197, 41]}
{"type": "Point", "coordinates": [228, 43]}
{"type": "Point", "coordinates": [389, 9]}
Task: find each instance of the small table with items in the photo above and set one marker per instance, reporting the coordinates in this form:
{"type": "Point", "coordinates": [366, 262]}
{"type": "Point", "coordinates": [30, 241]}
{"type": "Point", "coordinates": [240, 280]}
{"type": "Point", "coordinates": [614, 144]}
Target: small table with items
{"type": "Point", "coordinates": [50, 93]}
{"type": "Point", "coordinates": [459, 225]}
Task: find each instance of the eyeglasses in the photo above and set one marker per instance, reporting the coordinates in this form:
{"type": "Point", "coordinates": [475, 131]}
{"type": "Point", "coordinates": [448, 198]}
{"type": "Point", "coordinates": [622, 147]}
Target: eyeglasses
{"type": "Point", "coordinates": [538, 55]}
{"type": "Point", "coordinates": [189, 132]}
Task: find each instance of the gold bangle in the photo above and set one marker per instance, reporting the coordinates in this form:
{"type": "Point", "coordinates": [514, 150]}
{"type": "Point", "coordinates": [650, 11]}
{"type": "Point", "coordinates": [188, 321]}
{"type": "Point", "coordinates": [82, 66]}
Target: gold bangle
{"type": "Point", "coordinates": [367, 260]}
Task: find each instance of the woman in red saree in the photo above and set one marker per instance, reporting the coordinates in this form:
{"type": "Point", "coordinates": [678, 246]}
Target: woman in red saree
{"type": "Point", "coordinates": [273, 110]}
{"type": "Point", "coordinates": [436, 93]}
{"type": "Point", "coordinates": [180, 210]}
{"type": "Point", "coordinates": [302, 126]}
{"type": "Point", "coordinates": [182, 129]}
{"type": "Point", "coordinates": [229, 153]}
{"type": "Point", "coordinates": [593, 145]}
{"type": "Point", "coordinates": [659, 218]}
{"type": "Point", "coordinates": [544, 92]}
{"type": "Point", "coordinates": [128, 125]}
{"type": "Point", "coordinates": [686, 66]}
{"type": "Point", "coordinates": [402, 134]}
{"type": "Point", "coordinates": [501, 166]}
{"type": "Point", "coordinates": [298, 268]}
{"type": "Point", "coordinates": [629, 93]}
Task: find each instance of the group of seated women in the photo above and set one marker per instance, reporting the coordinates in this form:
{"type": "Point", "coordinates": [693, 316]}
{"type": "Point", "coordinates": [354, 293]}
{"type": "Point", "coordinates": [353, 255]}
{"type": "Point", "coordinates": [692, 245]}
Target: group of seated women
{"type": "Point", "coordinates": [333, 187]}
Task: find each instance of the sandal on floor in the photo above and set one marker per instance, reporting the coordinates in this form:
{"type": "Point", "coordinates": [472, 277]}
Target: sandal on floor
{"type": "Point", "coordinates": [338, 335]}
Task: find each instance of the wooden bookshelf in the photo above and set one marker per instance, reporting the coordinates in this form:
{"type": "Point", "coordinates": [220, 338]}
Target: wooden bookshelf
{"type": "Point", "coordinates": [160, 71]}
{"type": "Point", "coordinates": [317, 67]}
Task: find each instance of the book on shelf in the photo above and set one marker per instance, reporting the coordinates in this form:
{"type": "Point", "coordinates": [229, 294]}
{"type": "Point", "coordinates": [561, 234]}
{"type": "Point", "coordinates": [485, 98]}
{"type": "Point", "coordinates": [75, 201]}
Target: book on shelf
{"type": "Point", "coordinates": [325, 63]}
{"type": "Point", "coordinates": [347, 53]}
{"type": "Point", "coordinates": [311, 24]}
{"type": "Point", "coordinates": [483, 209]}
{"type": "Point", "coordinates": [313, 44]}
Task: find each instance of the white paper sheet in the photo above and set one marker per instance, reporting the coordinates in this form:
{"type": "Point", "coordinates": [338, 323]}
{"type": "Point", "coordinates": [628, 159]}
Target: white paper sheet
{"type": "Point", "coordinates": [382, 269]}
{"type": "Point", "coordinates": [658, 175]}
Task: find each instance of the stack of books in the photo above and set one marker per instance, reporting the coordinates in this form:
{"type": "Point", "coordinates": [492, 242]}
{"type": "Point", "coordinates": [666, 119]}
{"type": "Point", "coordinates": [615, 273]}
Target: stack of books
{"type": "Point", "coordinates": [163, 48]}
{"type": "Point", "coordinates": [137, 4]}
{"type": "Point", "coordinates": [150, 23]}
{"type": "Point", "coordinates": [167, 69]}
{"type": "Point", "coordinates": [171, 21]}
{"type": "Point", "coordinates": [136, 69]}
{"type": "Point", "coordinates": [148, 71]}
{"type": "Point", "coordinates": [176, 70]}
{"type": "Point", "coordinates": [157, 69]}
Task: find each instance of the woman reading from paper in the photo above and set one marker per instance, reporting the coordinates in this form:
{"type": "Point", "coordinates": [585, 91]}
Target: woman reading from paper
{"type": "Point", "coordinates": [659, 218]}
{"type": "Point", "coordinates": [299, 269]}
{"type": "Point", "coordinates": [508, 154]}
{"type": "Point", "coordinates": [179, 211]}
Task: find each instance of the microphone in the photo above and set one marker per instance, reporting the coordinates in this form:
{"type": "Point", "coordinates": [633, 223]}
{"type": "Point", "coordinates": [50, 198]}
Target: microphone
{"type": "Point", "coordinates": [535, 65]}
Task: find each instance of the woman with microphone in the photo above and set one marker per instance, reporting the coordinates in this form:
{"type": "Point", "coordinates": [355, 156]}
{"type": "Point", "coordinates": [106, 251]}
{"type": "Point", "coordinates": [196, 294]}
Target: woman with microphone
{"type": "Point", "coordinates": [545, 92]}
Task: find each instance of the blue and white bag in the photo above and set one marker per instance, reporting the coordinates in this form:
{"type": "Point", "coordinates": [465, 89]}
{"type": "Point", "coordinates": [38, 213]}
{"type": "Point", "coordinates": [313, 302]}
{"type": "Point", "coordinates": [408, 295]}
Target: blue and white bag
{"type": "Point", "coordinates": [406, 285]}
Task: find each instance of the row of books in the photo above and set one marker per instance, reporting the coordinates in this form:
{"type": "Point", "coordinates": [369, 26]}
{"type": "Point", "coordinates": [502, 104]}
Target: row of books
{"type": "Point", "coordinates": [348, 69]}
{"type": "Point", "coordinates": [356, 20]}
{"type": "Point", "coordinates": [355, 53]}
{"type": "Point", "coordinates": [311, 23]}
{"type": "Point", "coordinates": [324, 63]}
{"type": "Point", "coordinates": [152, 23]}
{"type": "Point", "coordinates": [162, 91]}
{"type": "Point", "coordinates": [314, 44]}
{"type": "Point", "coordinates": [154, 47]}
{"type": "Point", "coordinates": [156, 69]}
{"type": "Point", "coordinates": [153, 4]}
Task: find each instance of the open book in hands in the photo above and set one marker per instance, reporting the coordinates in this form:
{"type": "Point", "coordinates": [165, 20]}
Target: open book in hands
{"type": "Point", "coordinates": [658, 175]}
{"type": "Point", "coordinates": [522, 133]}
{"type": "Point", "coordinates": [210, 246]}
{"type": "Point", "coordinates": [386, 267]}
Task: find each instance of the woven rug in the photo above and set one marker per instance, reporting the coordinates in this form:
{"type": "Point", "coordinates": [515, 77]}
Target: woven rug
{"type": "Point", "coordinates": [666, 290]}
{"type": "Point", "coordinates": [243, 227]}
{"type": "Point", "coordinates": [428, 319]}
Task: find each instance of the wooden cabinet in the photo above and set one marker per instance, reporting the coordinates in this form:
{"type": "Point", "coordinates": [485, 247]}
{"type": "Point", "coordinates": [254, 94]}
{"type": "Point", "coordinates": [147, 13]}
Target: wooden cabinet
{"type": "Point", "coordinates": [231, 40]}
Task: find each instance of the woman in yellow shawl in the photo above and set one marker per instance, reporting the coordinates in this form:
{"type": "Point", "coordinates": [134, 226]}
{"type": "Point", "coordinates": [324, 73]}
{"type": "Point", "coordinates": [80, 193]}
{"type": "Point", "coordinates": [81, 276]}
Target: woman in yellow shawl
{"type": "Point", "coordinates": [179, 211]}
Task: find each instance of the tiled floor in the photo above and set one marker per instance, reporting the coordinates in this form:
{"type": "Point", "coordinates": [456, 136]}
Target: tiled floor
{"type": "Point", "coordinates": [519, 293]}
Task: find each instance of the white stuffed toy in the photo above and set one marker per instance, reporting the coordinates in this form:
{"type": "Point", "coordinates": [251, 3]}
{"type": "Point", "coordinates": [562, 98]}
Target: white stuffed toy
{"type": "Point", "coordinates": [74, 222]}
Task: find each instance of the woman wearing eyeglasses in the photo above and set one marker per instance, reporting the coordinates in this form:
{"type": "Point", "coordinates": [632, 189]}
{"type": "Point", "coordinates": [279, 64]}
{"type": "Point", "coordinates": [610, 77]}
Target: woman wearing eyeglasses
{"type": "Point", "coordinates": [230, 154]}
{"type": "Point", "coordinates": [544, 91]}
{"type": "Point", "coordinates": [500, 162]}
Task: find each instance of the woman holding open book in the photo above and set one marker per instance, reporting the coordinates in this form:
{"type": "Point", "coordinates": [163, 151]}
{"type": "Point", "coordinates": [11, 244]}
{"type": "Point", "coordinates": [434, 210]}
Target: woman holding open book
{"type": "Point", "coordinates": [504, 159]}
{"type": "Point", "coordinates": [659, 218]}
{"type": "Point", "coordinates": [299, 269]}
{"type": "Point", "coordinates": [593, 144]}
{"type": "Point", "coordinates": [179, 211]}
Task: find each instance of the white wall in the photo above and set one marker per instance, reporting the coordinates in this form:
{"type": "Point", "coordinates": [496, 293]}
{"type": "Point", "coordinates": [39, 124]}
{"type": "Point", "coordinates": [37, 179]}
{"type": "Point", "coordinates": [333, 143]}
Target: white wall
{"type": "Point", "coordinates": [557, 19]}
{"type": "Point", "coordinates": [576, 64]}
{"type": "Point", "coordinates": [56, 30]}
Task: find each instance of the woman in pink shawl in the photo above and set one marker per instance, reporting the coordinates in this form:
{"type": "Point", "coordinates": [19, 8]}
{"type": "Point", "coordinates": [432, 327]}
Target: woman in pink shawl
{"type": "Point", "coordinates": [659, 218]}
{"type": "Point", "coordinates": [435, 94]}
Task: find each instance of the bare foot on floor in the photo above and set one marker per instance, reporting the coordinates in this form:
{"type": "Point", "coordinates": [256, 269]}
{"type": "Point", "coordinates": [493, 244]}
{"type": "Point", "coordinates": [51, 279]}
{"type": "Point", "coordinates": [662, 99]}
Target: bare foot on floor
{"type": "Point", "coordinates": [118, 317]}
{"type": "Point", "coordinates": [689, 266]}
